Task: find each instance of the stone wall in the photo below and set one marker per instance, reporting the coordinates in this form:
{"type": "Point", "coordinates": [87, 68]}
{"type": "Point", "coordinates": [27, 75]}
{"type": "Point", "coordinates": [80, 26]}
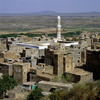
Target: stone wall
{"type": "Point", "coordinates": [20, 71]}
{"type": "Point", "coordinates": [80, 76]}
{"type": "Point", "coordinates": [49, 57]}
{"type": "Point", "coordinates": [93, 62]}
{"type": "Point", "coordinates": [68, 62]}
{"type": "Point", "coordinates": [9, 55]}
{"type": "Point", "coordinates": [52, 86]}
{"type": "Point", "coordinates": [6, 68]}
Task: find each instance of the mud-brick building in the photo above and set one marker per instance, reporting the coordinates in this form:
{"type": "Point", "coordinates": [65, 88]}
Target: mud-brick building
{"type": "Point", "coordinates": [9, 55]}
{"type": "Point", "coordinates": [3, 46]}
{"type": "Point", "coordinates": [93, 62]}
{"type": "Point", "coordinates": [16, 49]}
{"type": "Point", "coordinates": [80, 75]}
{"type": "Point", "coordinates": [1, 60]}
{"type": "Point", "coordinates": [54, 56]}
{"type": "Point", "coordinates": [68, 62]}
{"type": "Point", "coordinates": [6, 68]}
{"type": "Point", "coordinates": [20, 72]}
{"type": "Point", "coordinates": [41, 72]}
{"type": "Point", "coordinates": [30, 52]}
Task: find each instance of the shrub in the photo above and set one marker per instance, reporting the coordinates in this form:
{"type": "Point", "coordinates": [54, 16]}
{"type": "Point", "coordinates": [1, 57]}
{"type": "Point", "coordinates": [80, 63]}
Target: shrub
{"type": "Point", "coordinates": [63, 79]}
{"type": "Point", "coordinates": [70, 77]}
{"type": "Point", "coordinates": [35, 94]}
{"type": "Point", "coordinates": [55, 79]}
{"type": "Point", "coordinates": [78, 92]}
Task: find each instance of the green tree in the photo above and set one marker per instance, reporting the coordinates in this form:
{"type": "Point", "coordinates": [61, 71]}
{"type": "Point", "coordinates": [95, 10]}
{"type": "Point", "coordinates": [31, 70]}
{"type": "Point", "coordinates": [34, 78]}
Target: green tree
{"type": "Point", "coordinates": [6, 83]}
{"type": "Point", "coordinates": [35, 94]}
{"type": "Point", "coordinates": [2, 87]}
{"type": "Point", "coordinates": [78, 32]}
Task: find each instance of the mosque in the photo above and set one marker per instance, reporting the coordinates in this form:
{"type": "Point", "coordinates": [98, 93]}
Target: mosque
{"type": "Point", "coordinates": [44, 44]}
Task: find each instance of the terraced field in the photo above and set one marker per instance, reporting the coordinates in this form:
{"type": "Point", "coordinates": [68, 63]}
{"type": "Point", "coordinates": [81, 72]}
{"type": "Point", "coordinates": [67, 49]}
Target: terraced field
{"type": "Point", "coordinates": [47, 24]}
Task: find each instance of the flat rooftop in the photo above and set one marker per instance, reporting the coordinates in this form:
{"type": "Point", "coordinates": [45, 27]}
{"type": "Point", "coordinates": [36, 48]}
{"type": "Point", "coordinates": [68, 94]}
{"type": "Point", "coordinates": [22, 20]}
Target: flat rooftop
{"type": "Point", "coordinates": [46, 76]}
{"type": "Point", "coordinates": [36, 44]}
{"type": "Point", "coordinates": [5, 63]}
{"type": "Point", "coordinates": [29, 83]}
{"type": "Point", "coordinates": [19, 63]}
{"type": "Point", "coordinates": [44, 44]}
{"type": "Point", "coordinates": [55, 83]}
{"type": "Point", "coordinates": [78, 71]}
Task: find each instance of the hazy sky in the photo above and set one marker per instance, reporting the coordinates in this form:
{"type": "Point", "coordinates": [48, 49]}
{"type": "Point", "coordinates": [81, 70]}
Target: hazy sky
{"type": "Point", "coordinates": [64, 6]}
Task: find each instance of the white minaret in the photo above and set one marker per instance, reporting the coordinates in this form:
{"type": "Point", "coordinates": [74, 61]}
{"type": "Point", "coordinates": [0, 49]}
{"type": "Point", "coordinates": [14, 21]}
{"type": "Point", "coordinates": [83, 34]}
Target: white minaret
{"type": "Point", "coordinates": [58, 28]}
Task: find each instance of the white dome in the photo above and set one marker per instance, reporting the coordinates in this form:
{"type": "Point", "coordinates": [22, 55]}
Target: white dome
{"type": "Point", "coordinates": [58, 17]}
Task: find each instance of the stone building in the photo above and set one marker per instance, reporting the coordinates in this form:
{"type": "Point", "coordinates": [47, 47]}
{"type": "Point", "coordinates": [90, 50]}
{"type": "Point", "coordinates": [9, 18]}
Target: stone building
{"type": "Point", "coordinates": [93, 62]}
{"type": "Point", "coordinates": [95, 45]}
{"type": "Point", "coordinates": [41, 72]}
{"type": "Point", "coordinates": [6, 68]}
{"type": "Point", "coordinates": [80, 75]}
{"type": "Point", "coordinates": [3, 46]}
{"type": "Point", "coordinates": [54, 57]}
{"type": "Point", "coordinates": [20, 72]}
{"type": "Point", "coordinates": [30, 52]}
{"type": "Point", "coordinates": [9, 55]}
{"type": "Point", "coordinates": [68, 61]}
{"type": "Point", "coordinates": [16, 49]}
{"type": "Point", "coordinates": [31, 60]}
{"type": "Point", "coordinates": [1, 60]}
{"type": "Point", "coordinates": [76, 53]}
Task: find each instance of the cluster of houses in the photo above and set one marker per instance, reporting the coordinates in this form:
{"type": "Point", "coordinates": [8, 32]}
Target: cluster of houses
{"type": "Point", "coordinates": [32, 60]}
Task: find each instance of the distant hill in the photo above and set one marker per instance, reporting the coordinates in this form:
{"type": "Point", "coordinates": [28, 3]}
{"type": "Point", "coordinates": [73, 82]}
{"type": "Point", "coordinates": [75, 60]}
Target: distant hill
{"type": "Point", "coordinates": [53, 13]}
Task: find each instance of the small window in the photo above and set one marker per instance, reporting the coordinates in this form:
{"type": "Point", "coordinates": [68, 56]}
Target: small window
{"type": "Point", "coordinates": [78, 61]}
